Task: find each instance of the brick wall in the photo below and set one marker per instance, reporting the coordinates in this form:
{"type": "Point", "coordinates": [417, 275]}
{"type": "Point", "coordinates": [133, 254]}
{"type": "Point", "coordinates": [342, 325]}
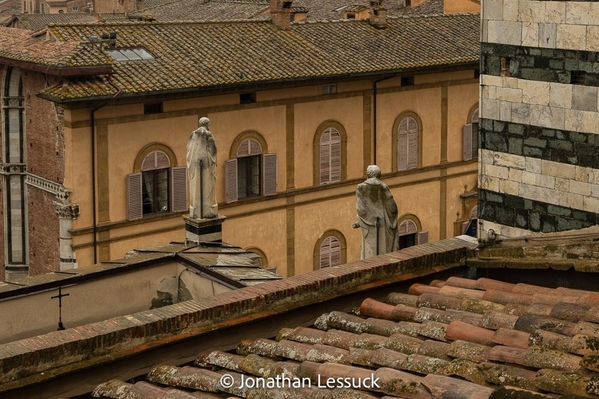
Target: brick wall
{"type": "Point", "coordinates": [36, 359]}
{"type": "Point", "coordinates": [44, 157]}
{"type": "Point", "coordinates": [539, 124]}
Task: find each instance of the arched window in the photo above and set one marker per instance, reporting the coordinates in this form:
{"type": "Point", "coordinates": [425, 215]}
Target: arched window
{"type": "Point", "coordinates": [469, 227]}
{"type": "Point", "coordinates": [329, 153]}
{"type": "Point", "coordinates": [330, 250]}
{"type": "Point", "coordinates": [407, 133]}
{"type": "Point", "coordinates": [470, 135]}
{"type": "Point", "coordinates": [260, 260]}
{"type": "Point", "coordinates": [159, 186]}
{"type": "Point", "coordinates": [410, 234]}
{"type": "Point", "coordinates": [251, 172]}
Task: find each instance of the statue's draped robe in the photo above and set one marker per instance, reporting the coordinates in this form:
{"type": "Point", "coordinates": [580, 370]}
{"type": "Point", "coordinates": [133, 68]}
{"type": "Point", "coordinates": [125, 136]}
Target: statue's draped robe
{"type": "Point", "coordinates": [202, 147]}
{"type": "Point", "coordinates": [374, 199]}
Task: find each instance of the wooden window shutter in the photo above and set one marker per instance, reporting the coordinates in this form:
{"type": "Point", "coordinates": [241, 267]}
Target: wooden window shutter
{"type": "Point", "coordinates": [134, 197]}
{"type": "Point", "coordinates": [270, 174]}
{"type": "Point", "coordinates": [325, 160]}
{"type": "Point", "coordinates": [249, 147]}
{"type": "Point", "coordinates": [467, 138]}
{"type": "Point", "coordinates": [231, 180]}
{"type": "Point", "coordinates": [412, 143]}
{"type": "Point", "coordinates": [402, 145]}
{"type": "Point", "coordinates": [330, 252]}
{"type": "Point", "coordinates": [407, 227]}
{"type": "Point", "coordinates": [155, 160]}
{"type": "Point", "coordinates": [335, 156]}
{"type": "Point", "coordinates": [422, 237]}
{"type": "Point", "coordinates": [179, 189]}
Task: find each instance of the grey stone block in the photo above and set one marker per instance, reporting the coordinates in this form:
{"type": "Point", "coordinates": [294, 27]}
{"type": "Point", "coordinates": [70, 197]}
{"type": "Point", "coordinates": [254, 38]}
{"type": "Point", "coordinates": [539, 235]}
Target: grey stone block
{"type": "Point", "coordinates": [584, 98]}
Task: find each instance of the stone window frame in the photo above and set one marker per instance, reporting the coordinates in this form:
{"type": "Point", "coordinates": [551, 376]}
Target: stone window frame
{"type": "Point", "coordinates": [177, 184]}
{"type": "Point", "coordinates": [395, 137]}
{"type": "Point", "coordinates": [318, 246]}
{"type": "Point", "coordinates": [268, 171]}
{"type": "Point", "coordinates": [317, 148]}
{"type": "Point", "coordinates": [470, 134]}
{"type": "Point", "coordinates": [263, 258]}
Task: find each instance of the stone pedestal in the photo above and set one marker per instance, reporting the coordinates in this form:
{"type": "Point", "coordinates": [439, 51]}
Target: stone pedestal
{"type": "Point", "coordinates": [204, 230]}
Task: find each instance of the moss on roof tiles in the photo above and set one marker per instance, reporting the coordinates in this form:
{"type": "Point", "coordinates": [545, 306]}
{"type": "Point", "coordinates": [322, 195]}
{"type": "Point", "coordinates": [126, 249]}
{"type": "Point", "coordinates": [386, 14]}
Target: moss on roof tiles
{"type": "Point", "coordinates": [201, 55]}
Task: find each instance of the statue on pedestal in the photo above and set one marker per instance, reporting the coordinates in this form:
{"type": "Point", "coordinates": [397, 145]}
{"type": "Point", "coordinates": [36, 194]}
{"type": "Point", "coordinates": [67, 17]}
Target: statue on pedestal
{"type": "Point", "coordinates": [377, 215]}
{"type": "Point", "coordinates": [201, 172]}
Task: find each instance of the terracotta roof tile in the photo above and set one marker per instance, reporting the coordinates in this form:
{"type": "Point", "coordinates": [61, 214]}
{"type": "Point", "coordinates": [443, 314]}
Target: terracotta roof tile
{"type": "Point", "coordinates": [530, 354]}
{"type": "Point", "coordinates": [36, 22]}
{"type": "Point", "coordinates": [216, 54]}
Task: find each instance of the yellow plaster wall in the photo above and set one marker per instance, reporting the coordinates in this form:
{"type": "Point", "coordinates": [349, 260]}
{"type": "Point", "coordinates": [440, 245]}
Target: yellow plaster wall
{"type": "Point", "coordinates": [460, 101]}
{"type": "Point", "coordinates": [444, 76]}
{"type": "Point", "coordinates": [312, 220]}
{"type": "Point", "coordinates": [127, 139]}
{"type": "Point", "coordinates": [268, 121]}
{"type": "Point", "coordinates": [427, 104]}
{"type": "Point", "coordinates": [421, 200]}
{"type": "Point", "coordinates": [309, 116]}
{"type": "Point", "coordinates": [201, 102]}
{"type": "Point", "coordinates": [265, 231]}
{"type": "Point", "coordinates": [457, 6]}
{"type": "Point", "coordinates": [78, 172]}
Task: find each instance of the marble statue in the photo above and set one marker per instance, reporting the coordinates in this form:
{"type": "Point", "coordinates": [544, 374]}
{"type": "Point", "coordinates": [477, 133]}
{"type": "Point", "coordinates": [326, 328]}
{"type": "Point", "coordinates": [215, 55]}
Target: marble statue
{"type": "Point", "coordinates": [377, 215]}
{"type": "Point", "coordinates": [201, 172]}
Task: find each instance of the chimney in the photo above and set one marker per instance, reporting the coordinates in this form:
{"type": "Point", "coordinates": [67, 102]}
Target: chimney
{"type": "Point", "coordinates": [280, 13]}
{"type": "Point", "coordinates": [378, 14]}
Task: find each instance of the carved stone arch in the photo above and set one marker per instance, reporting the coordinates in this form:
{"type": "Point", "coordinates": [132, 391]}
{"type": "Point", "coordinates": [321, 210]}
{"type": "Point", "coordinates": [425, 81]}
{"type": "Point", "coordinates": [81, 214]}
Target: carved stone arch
{"type": "Point", "coordinates": [148, 149]}
{"type": "Point", "coordinates": [321, 239]}
{"type": "Point", "coordinates": [394, 137]}
{"type": "Point", "coordinates": [411, 217]}
{"type": "Point", "coordinates": [316, 146]}
{"type": "Point", "coordinates": [261, 254]}
{"type": "Point", "coordinates": [472, 113]}
{"type": "Point", "coordinates": [248, 134]}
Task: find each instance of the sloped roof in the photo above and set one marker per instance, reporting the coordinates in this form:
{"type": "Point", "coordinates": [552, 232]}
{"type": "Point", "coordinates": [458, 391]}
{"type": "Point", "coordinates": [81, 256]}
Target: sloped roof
{"type": "Point", "coordinates": [36, 22]}
{"type": "Point", "coordinates": [454, 338]}
{"type": "Point", "coordinates": [199, 10]}
{"type": "Point", "coordinates": [189, 56]}
{"type": "Point", "coordinates": [20, 45]}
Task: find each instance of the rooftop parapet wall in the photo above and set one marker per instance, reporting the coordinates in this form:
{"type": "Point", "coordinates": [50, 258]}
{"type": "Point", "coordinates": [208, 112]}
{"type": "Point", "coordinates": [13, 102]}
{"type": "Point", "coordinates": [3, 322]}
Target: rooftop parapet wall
{"type": "Point", "coordinates": [46, 356]}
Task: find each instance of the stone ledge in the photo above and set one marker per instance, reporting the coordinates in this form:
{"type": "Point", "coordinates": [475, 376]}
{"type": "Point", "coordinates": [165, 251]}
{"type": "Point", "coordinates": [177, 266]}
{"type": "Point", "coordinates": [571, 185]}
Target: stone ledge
{"type": "Point", "coordinates": [46, 356]}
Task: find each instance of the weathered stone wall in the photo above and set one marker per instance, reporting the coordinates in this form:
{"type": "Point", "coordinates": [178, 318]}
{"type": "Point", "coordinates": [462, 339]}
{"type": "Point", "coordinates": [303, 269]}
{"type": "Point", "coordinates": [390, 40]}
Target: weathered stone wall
{"type": "Point", "coordinates": [539, 169]}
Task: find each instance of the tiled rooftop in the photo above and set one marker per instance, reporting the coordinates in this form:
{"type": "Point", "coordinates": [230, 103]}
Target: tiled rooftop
{"type": "Point", "coordinates": [36, 22]}
{"type": "Point", "coordinates": [454, 338]}
{"type": "Point", "coordinates": [211, 55]}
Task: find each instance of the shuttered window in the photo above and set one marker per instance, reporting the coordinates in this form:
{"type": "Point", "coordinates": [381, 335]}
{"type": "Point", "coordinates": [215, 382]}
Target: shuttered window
{"type": "Point", "coordinates": [158, 188]}
{"type": "Point", "coordinates": [330, 156]}
{"type": "Point", "coordinates": [330, 252]}
{"type": "Point", "coordinates": [470, 138]}
{"type": "Point", "coordinates": [410, 236]}
{"type": "Point", "coordinates": [251, 174]}
{"type": "Point", "coordinates": [407, 144]}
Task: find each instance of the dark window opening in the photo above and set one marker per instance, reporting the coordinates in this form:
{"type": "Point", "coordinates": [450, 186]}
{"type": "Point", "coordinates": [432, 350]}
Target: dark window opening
{"type": "Point", "coordinates": [248, 176]}
{"type": "Point", "coordinates": [408, 240]}
{"type": "Point", "coordinates": [247, 98]}
{"type": "Point", "coordinates": [408, 3]}
{"type": "Point", "coordinates": [476, 73]}
{"type": "Point", "coordinates": [351, 15]}
{"type": "Point", "coordinates": [155, 108]}
{"type": "Point", "coordinates": [407, 81]}
{"type": "Point", "coordinates": [578, 77]}
{"type": "Point", "coordinates": [155, 191]}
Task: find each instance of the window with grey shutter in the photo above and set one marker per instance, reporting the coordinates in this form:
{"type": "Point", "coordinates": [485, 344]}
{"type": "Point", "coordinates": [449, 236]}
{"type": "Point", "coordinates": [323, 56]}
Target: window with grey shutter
{"type": "Point", "coordinates": [330, 252]}
{"type": "Point", "coordinates": [330, 156]}
{"type": "Point", "coordinates": [179, 189]}
{"type": "Point", "coordinates": [407, 234]}
{"type": "Point", "coordinates": [467, 138]}
{"type": "Point", "coordinates": [407, 144]}
{"type": "Point", "coordinates": [422, 237]}
{"type": "Point", "coordinates": [270, 174]}
{"type": "Point", "coordinates": [134, 197]}
{"type": "Point", "coordinates": [231, 180]}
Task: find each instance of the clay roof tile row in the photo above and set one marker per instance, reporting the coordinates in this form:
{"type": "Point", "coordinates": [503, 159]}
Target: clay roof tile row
{"type": "Point", "coordinates": [473, 352]}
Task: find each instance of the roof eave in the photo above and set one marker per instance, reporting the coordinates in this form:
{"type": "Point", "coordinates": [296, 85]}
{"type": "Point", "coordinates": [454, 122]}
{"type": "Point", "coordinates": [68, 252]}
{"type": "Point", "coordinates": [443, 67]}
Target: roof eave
{"type": "Point", "coordinates": [59, 70]}
{"type": "Point", "coordinates": [308, 80]}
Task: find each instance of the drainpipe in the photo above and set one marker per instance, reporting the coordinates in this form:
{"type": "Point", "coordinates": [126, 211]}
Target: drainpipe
{"type": "Point", "coordinates": [94, 199]}
{"type": "Point", "coordinates": [374, 111]}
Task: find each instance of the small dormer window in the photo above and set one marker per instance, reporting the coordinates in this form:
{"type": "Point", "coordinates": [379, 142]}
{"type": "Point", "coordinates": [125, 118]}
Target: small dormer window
{"type": "Point", "coordinates": [130, 54]}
